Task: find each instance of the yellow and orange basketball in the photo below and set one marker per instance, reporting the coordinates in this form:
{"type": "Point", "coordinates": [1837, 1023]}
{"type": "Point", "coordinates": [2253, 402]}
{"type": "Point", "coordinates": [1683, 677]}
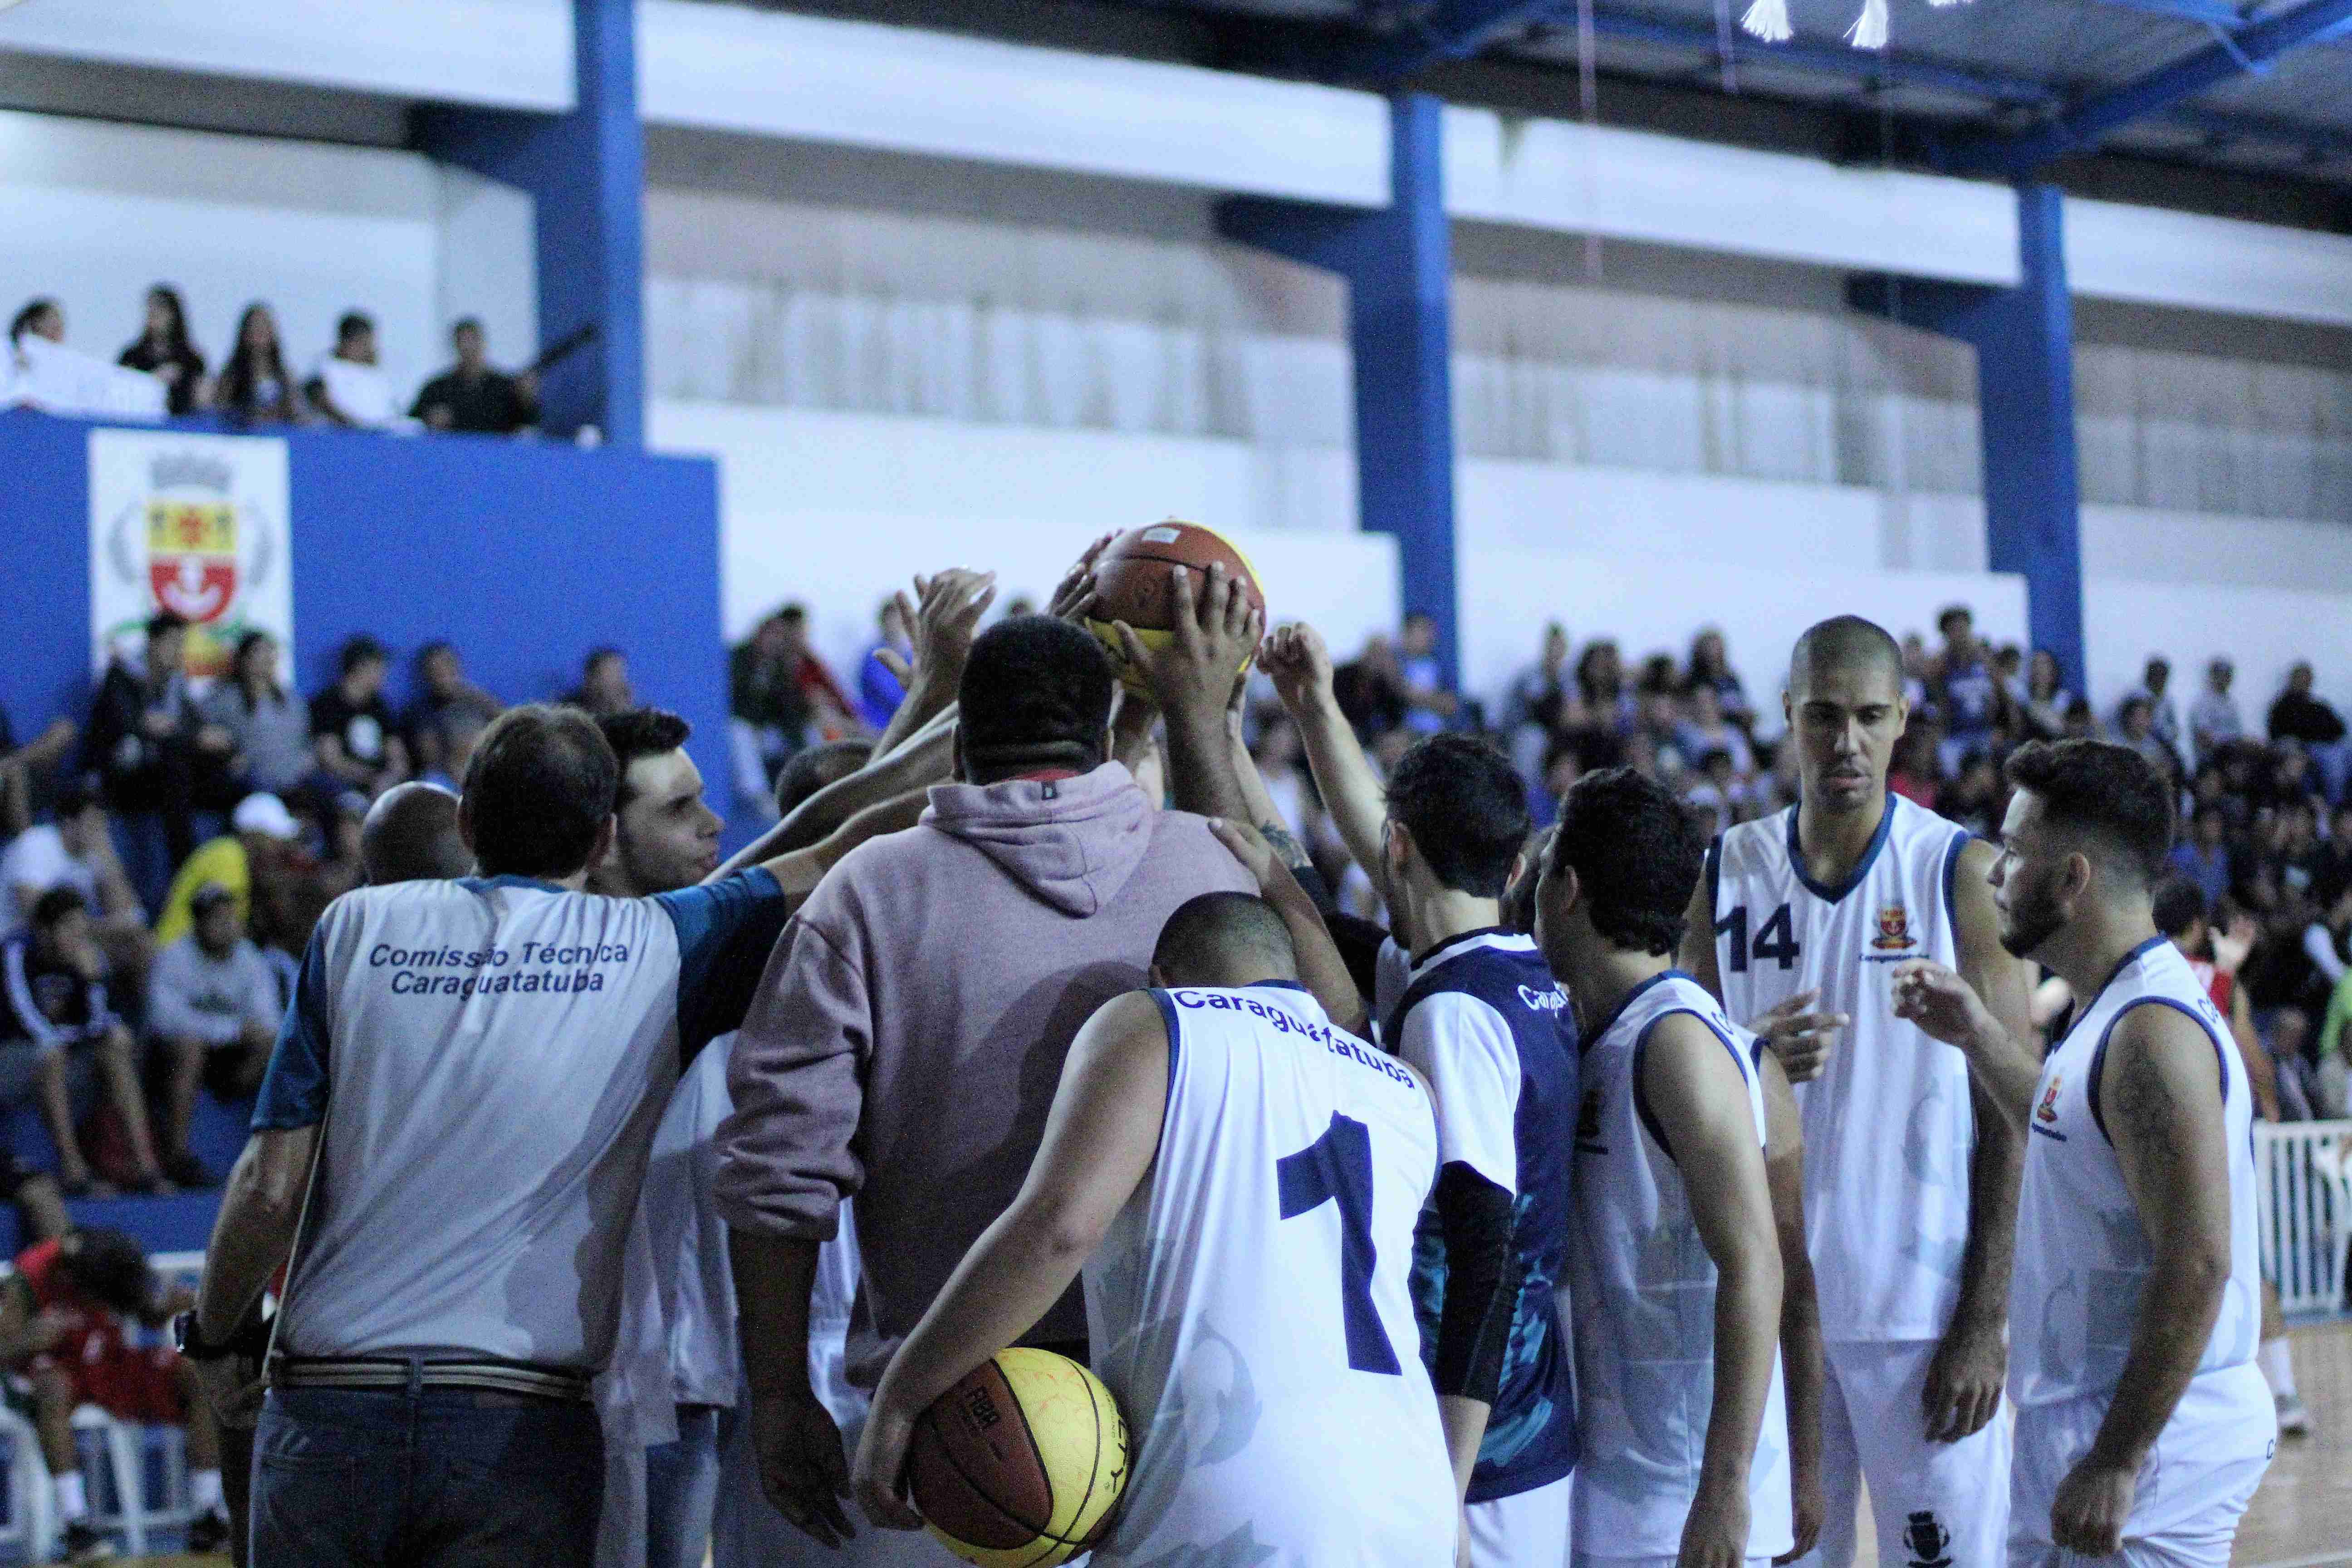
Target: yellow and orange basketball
{"type": "Point", "coordinates": [1021, 1464]}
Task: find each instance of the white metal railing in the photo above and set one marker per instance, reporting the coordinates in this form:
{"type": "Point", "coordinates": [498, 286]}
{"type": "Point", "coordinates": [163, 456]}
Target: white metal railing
{"type": "Point", "coordinates": [2303, 1188]}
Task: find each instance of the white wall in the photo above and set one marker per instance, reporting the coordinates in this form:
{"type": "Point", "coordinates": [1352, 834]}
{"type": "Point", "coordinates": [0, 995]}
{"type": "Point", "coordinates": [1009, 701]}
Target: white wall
{"type": "Point", "coordinates": [2262, 630]}
{"type": "Point", "coordinates": [93, 213]}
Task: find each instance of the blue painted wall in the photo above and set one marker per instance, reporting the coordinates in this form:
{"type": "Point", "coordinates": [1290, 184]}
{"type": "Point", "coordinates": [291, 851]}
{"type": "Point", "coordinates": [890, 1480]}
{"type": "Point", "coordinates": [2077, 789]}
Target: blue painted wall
{"type": "Point", "coordinates": [525, 554]}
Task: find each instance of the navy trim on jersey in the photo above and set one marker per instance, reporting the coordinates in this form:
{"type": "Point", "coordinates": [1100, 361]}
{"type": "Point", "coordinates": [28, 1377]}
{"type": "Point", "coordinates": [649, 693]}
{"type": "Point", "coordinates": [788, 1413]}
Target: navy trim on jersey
{"type": "Point", "coordinates": [2080, 1008]}
{"type": "Point", "coordinates": [1960, 841]}
{"type": "Point", "coordinates": [1861, 867]}
{"type": "Point", "coordinates": [1175, 1032]}
{"type": "Point", "coordinates": [294, 1086]}
{"type": "Point", "coordinates": [1642, 1096]}
{"type": "Point", "coordinates": [1592, 1035]}
{"type": "Point", "coordinates": [2099, 1053]}
{"type": "Point", "coordinates": [1275, 985]}
{"type": "Point", "coordinates": [1422, 959]}
{"type": "Point", "coordinates": [508, 880]}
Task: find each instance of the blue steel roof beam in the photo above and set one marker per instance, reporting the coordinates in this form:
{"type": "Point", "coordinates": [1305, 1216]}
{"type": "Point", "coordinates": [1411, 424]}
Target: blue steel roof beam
{"type": "Point", "coordinates": [1452, 30]}
{"type": "Point", "coordinates": [1886, 68]}
{"type": "Point", "coordinates": [2082, 126]}
{"type": "Point", "coordinates": [2205, 13]}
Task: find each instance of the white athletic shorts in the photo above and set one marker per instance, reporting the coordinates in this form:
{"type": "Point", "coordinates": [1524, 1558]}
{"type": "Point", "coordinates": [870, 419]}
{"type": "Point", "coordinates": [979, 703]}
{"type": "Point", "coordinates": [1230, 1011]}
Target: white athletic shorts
{"type": "Point", "coordinates": [747, 1531]}
{"type": "Point", "coordinates": [2192, 1490]}
{"type": "Point", "coordinates": [1529, 1530]}
{"type": "Point", "coordinates": [1937, 1505]}
{"type": "Point", "coordinates": [1587, 1560]}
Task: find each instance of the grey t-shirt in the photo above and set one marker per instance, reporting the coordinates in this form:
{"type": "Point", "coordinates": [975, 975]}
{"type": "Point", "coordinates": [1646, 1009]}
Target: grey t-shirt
{"type": "Point", "coordinates": [274, 734]}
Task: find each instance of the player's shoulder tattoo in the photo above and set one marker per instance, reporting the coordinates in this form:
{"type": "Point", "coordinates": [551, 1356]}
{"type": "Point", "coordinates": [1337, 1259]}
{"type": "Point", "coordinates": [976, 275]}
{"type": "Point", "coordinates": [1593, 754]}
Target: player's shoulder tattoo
{"type": "Point", "coordinates": [1285, 844]}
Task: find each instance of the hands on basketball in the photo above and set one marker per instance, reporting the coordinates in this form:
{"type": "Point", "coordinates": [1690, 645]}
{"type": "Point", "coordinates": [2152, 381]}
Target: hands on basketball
{"type": "Point", "coordinates": [941, 621]}
{"type": "Point", "coordinates": [881, 1463]}
{"type": "Point", "coordinates": [1075, 595]}
{"type": "Point", "coordinates": [1944, 1005]}
{"type": "Point", "coordinates": [1800, 1036]}
{"type": "Point", "coordinates": [1216, 630]}
{"type": "Point", "coordinates": [2093, 1503]}
{"type": "Point", "coordinates": [802, 1469]}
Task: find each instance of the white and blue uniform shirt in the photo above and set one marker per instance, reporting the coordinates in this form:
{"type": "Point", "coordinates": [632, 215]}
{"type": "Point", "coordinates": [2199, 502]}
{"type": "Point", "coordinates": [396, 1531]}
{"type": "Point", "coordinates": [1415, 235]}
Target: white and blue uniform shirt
{"type": "Point", "coordinates": [490, 1057]}
{"type": "Point", "coordinates": [1484, 1022]}
{"type": "Point", "coordinates": [1644, 1288]}
{"type": "Point", "coordinates": [2082, 1256]}
{"type": "Point", "coordinates": [1250, 1305]}
{"type": "Point", "coordinates": [1890, 1131]}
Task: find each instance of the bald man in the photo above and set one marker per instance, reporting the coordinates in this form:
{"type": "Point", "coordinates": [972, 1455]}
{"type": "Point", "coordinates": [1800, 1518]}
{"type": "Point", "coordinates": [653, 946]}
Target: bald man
{"type": "Point", "coordinates": [411, 835]}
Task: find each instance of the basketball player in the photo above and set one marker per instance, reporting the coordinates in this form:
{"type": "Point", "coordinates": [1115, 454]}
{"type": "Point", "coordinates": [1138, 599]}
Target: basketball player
{"type": "Point", "coordinates": [1675, 1261]}
{"type": "Point", "coordinates": [1239, 1181]}
{"type": "Point", "coordinates": [2143, 1423]}
{"type": "Point", "coordinates": [1469, 1003]}
{"type": "Point", "coordinates": [1910, 1189]}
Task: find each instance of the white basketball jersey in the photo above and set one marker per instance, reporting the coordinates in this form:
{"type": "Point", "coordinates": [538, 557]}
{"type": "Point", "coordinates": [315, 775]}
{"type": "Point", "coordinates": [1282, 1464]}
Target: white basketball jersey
{"type": "Point", "coordinates": [2083, 1258]}
{"type": "Point", "coordinates": [1251, 1306]}
{"type": "Point", "coordinates": [1644, 1292]}
{"type": "Point", "coordinates": [1889, 1129]}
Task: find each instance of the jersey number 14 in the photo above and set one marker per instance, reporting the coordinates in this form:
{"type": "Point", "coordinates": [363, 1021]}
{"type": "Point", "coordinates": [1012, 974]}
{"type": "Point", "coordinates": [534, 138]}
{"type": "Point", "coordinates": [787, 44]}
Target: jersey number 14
{"type": "Point", "coordinates": [1337, 1168]}
{"type": "Point", "coordinates": [1775, 940]}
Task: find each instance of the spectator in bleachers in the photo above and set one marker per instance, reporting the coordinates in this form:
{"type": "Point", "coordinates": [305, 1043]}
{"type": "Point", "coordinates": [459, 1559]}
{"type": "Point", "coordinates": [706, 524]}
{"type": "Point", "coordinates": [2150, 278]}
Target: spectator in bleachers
{"type": "Point", "coordinates": [2202, 855]}
{"type": "Point", "coordinates": [41, 317]}
{"type": "Point", "coordinates": [1370, 690]}
{"type": "Point", "coordinates": [62, 1319]}
{"type": "Point", "coordinates": [253, 860]}
{"type": "Point", "coordinates": [2298, 715]}
{"type": "Point", "coordinates": [2214, 717]}
{"type": "Point", "coordinates": [603, 686]}
{"type": "Point", "coordinates": [2136, 728]}
{"type": "Point", "coordinates": [879, 689]}
{"type": "Point", "coordinates": [141, 742]}
{"type": "Point", "coordinates": [470, 396]}
{"type": "Point", "coordinates": [213, 1005]}
{"type": "Point", "coordinates": [346, 387]}
{"type": "Point", "coordinates": [163, 349]}
{"type": "Point", "coordinates": [351, 726]}
{"type": "Point", "coordinates": [449, 714]}
{"type": "Point", "coordinates": [267, 725]}
{"type": "Point", "coordinates": [58, 1019]}
{"type": "Point", "coordinates": [1433, 707]}
{"type": "Point", "coordinates": [1968, 696]}
{"type": "Point", "coordinates": [255, 387]}
{"type": "Point", "coordinates": [1600, 682]}
{"type": "Point", "coordinates": [2079, 723]}
{"type": "Point", "coordinates": [2163, 714]}
{"type": "Point", "coordinates": [1973, 797]}
{"type": "Point", "coordinates": [2046, 699]}
{"type": "Point", "coordinates": [77, 852]}
{"type": "Point", "coordinates": [1710, 667]}
{"type": "Point", "coordinates": [765, 695]}
{"type": "Point", "coordinates": [1704, 728]}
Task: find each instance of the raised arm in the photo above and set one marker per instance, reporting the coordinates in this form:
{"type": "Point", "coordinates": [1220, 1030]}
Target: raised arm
{"type": "Point", "coordinates": [1301, 665]}
{"type": "Point", "coordinates": [2164, 1115]}
{"type": "Point", "coordinates": [942, 620]}
{"type": "Point", "coordinates": [1321, 967]}
{"type": "Point", "coordinates": [1964, 1379]}
{"type": "Point", "coordinates": [1100, 1139]}
{"type": "Point", "coordinates": [1191, 678]}
{"type": "Point", "coordinates": [1699, 1095]}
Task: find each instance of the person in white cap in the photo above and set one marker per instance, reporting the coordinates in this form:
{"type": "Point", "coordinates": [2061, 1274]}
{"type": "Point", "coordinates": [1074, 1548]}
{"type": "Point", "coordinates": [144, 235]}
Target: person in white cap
{"type": "Point", "coordinates": [246, 860]}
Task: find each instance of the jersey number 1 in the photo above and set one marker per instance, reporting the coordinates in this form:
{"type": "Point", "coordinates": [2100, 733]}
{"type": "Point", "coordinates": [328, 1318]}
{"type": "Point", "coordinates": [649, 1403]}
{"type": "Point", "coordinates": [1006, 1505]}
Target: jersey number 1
{"type": "Point", "coordinates": [1338, 1168]}
{"type": "Point", "coordinates": [1776, 941]}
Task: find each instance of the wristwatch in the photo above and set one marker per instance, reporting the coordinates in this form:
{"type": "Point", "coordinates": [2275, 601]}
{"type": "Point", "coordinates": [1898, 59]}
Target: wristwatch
{"type": "Point", "coordinates": [190, 1342]}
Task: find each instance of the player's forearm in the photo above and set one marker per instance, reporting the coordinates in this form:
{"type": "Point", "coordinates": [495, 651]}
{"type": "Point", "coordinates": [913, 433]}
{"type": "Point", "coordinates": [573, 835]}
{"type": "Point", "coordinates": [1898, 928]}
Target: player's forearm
{"type": "Point", "coordinates": [1013, 1275]}
{"type": "Point", "coordinates": [2178, 1304]}
{"type": "Point", "coordinates": [1465, 1420]}
{"type": "Point", "coordinates": [1321, 969]}
{"type": "Point", "coordinates": [1748, 1293]}
{"type": "Point", "coordinates": [773, 1276]}
{"type": "Point", "coordinates": [1802, 1359]}
{"type": "Point", "coordinates": [925, 763]}
{"type": "Point", "coordinates": [255, 1231]}
{"type": "Point", "coordinates": [1201, 765]}
{"type": "Point", "coordinates": [925, 704]}
{"type": "Point", "coordinates": [1996, 1175]}
{"type": "Point", "coordinates": [1352, 792]}
{"type": "Point", "coordinates": [2004, 1070]}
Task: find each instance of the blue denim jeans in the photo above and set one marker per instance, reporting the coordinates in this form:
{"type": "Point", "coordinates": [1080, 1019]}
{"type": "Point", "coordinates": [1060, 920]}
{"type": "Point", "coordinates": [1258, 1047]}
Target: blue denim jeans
{"type": "Point", "coordinates": [681, 1490]}
{"type": "Point", "coordinates": [443, 1478]}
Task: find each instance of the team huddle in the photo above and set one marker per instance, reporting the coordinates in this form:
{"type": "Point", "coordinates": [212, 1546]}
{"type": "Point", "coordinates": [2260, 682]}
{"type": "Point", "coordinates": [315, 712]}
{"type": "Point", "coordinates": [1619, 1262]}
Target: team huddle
{"type": "Point", "coordinates": [1628, 1199]}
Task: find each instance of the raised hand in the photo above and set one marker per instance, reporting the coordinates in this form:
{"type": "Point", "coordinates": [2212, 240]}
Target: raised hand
{"type": "Point", "coordinates": [1800, 1036]}
{"type": "Point", "coordinates": [1295, 658]}
{"type": "Point", "coordinates": [941, 621]}
{"type": "Point", "coordinates": [1217, 628]}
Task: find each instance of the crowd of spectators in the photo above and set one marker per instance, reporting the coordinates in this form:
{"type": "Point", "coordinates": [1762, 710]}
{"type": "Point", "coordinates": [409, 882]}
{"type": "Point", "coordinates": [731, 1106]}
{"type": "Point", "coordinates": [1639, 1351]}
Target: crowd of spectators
{"type": "Point", "coordinates": [2265, 797]}
{"type": "Point", "coordinates": [255, 384]}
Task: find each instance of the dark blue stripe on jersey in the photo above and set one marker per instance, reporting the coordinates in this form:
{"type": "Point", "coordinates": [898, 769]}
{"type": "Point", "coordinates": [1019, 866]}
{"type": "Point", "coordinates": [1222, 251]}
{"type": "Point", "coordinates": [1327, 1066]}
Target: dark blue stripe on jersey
{"type": "Point", "coordinates": [1592, 1037]}
{"type": "Point", "coordinates": [294, 1087]}
{"type": "Point", "coordinates": [1530, 1439]}
{"type": "Point", "coordinates": [1861, 867]}
{"type": "Point", "coordinates": [1642, 1096]}
{"type": "Point", "coordinates": [1275, 985]}
{"type": "Point", "coordinates": [1429, 955]}
{"type": "Point", "coordinates": [1960, 841]}
{"type": "Point", "coordinates": [508, 880]}
{"type": "Point", "coordinates": [2099, 1052]}
{"type": "Point", "coordinates": [1167, 1006]}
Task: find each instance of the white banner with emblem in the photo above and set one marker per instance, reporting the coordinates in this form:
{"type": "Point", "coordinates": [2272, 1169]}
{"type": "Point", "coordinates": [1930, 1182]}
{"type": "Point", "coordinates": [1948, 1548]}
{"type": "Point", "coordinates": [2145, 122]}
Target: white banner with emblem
{"type": "Point", "coordinates": [196, 524]}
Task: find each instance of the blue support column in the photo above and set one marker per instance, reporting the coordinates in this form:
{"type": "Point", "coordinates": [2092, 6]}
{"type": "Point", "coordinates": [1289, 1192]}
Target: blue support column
{"type": "Point", "coordinates": [585, 171]}
{"type": "Point", "coordinates": [1399, 264]}
{"type": "Point", "coordinates": [2024, 339]}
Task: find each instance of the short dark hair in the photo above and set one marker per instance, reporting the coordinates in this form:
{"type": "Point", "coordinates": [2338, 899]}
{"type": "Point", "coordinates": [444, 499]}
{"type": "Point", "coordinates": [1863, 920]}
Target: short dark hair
{"type": "Point", "coordinates": [636, 732]}
{"type": "Point", "coordinates": [598, 655]}
{"type": "Point", "coordinates": [361, 648]}
{"type": "Point", "coordinates": [350, 324]}
{"type": "Point", "coordinates": [466, 323]}
{"type": "Point", "coordinates": [1468, 811]}
{"type": "Point", "coordinates": [2109, 791]}
{"type": "Point", "coordinates": [793, 615]}
{"type": "Point", "coordinates": [2179, 904]}
{"type": "Point", "coordinates": [1949, 613]}
{"type": "Point", "coordinates": [1636, 854]}
{"type": "Point", "coordinates": [814, 767]}
{"type": "Point", "coordinates": [1217, 936]}
{"type": "Point", "coordinates": [109, 1266]}
{"type": "Point", "coordinates": [164, 621]}
{"type": "Point", "coordinates": [1843, 639]}
{"type": "Point", "coordinates": [51, 908]}
{"type": "Point", "coordinates": [540, 784]}
{"type": "Point", "coordinates": [1035, 691]}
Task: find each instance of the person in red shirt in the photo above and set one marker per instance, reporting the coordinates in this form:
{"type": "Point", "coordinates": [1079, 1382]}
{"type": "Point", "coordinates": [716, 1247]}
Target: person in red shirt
{"type": "Point", "coordinates": [63, 1326]}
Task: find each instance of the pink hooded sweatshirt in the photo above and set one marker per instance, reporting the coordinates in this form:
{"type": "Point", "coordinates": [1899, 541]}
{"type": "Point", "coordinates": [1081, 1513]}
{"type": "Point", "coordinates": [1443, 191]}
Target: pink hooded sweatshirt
{"type": "Point", "coordinates": [909, 1034]}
